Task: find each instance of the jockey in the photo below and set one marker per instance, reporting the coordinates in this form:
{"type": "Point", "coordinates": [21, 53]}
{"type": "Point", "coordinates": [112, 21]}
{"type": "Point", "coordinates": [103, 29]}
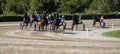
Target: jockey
{"type": "Point", "coordinates": [39, 18]}
{"type": "Point", "coordinates": [80, 20]}
{"type": "Point", "coordinates": [62, 20]}
{"type": "Point", "coordinates": [49, 18]}
{"type": "Point", "coordinates": [31, 19]}
{"type": "Point", "coordinates": [101, 19]}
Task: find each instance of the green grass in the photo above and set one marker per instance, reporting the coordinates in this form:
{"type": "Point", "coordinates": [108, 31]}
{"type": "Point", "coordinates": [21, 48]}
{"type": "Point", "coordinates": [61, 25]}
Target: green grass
{"type": "Point", "coordinates": [115, 33]}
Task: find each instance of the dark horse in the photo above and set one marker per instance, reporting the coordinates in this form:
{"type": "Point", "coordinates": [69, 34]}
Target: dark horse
{"type": "Point", "coordinates": [75, 21]}
{"type": "Point", "coordinates": [56, 21]}
{"type": "Point", "coordinates": [96, 19]}
{"type": "Point", "coordinates": [44, 22]}
{"type": "Point", "coordinates": [26, 21]}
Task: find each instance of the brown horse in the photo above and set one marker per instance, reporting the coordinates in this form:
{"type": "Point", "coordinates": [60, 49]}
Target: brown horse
{"type": "Point", "coordinates": [34, 20]}
{"type": "Point", "coordinates": [44, 22]}
{"type": "Point", "coordinates": [26, 21]}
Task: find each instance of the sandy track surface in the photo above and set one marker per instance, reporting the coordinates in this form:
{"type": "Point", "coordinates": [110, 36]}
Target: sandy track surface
{"type": "Point", "coordinates": [15, 41]}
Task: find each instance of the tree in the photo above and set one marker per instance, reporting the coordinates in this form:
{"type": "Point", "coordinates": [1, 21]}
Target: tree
{"type": "Point", "coordinates": [103, 6]}
{"type": "Point", "coordinates": [63, 6]}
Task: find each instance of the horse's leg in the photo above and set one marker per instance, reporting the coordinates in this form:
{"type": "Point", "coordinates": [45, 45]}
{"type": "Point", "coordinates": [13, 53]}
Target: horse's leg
{"type": "Point", "coordinates": [51, 27]}
{"type": "Point", "coordinates": [30, 23]}
{"type": "Point", "coordinates": [76, 26]}
{"type": "Point", "coordinates": [64, 26]}
{"type": "Point", "coordinates": [72, 27]}
{"type": "Point", "coordinates": [46, 27]}
{"type": "Point", "coordinates": [34, 26]}
{"type": "Point", "coordinates": [23, 25]}
{"type": "Point", "coordinates": [103, 24]}
{"type": "Point", "coordinates": [83, 26]}
{"type": "Point", "coordinates": [39, 27]}
{"type": "Point", "coordinates": [100, 24]}
{"type": "Point", "coordinates": [57, 26]}
{"type": "Point", "coordinates": [26, 25]}
{"type": "Point", "coordinates": [43, 28]}
{"type": "Point", "coordinates": [94, 22]}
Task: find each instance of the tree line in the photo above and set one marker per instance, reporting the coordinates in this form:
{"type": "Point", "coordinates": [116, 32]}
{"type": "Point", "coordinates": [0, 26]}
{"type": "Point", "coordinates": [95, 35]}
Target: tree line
{"type": "Point", "coordinates": [63, 6]}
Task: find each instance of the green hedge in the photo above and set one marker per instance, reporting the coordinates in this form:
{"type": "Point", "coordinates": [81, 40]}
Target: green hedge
{"type": "Point", "coordinates": [10, 18]}
{"type": "Point", "coordinates": [67, 17]}
{"type": "Point", "coordinates": [86, 17]}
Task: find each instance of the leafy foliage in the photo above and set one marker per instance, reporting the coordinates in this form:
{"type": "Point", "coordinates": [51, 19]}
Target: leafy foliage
{"type": "Point", "coordinates": [63, 6]}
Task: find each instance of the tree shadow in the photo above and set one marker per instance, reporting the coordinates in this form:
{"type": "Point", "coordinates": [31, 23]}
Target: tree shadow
{"type": "Point", "coordinates": [69, 33]}
{"type": "Point", "coordinates": [106, 27]}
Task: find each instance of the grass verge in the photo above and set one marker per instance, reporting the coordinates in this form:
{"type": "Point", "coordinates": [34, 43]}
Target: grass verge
{"type": "Point", "coordinates": [115, 33]}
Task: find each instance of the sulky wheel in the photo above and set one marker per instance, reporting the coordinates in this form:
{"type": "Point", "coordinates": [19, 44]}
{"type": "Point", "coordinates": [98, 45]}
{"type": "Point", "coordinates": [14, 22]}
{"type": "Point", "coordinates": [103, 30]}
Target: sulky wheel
{"type": "Point", "coordinates": [21, 26]}
{"type": "Point", "coordinates": [50, 27]}
{"type": "Point", "coordinates": [64, 26]}
{"type": "Point", "coordinates": [34, 27]}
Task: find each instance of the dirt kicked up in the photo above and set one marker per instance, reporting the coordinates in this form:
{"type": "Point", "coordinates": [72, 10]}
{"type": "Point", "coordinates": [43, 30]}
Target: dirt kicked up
{"type": "Point", "coordinates": [16, 41]}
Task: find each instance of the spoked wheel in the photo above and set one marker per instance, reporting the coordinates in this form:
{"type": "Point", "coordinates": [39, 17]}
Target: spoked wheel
{"type": "Point", "coordinates": [42, 27]}
{"type": "Point", "coordinates": [50, 27]}
{"type": "Point", "coordinates": [84, 27]}
{"type": "Point", "coordinates": [64, 26]}
{"type": "Point", "coordinates": [103, 24]}
{"type": "Point", "coordinates": [21, 26]}
{"type": "Point", "coordinates": [34, 27]}
{"type": "Point", "coordinates": [39, 27]}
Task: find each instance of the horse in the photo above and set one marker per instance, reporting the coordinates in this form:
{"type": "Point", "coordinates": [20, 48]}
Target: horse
{"type": "Point", "coordinates": [62, 23]}
{"type": "Point", "coordinates": [44, 22]}
{"type": "Point", "coordinates": [75, 21]}
{"type": "Point", "coordinates": [34, 20]}
{"type": "Point", "coordinates": [56, 21]}
{"type": "Point", "coordinates": [25, 22]}
{"type": "Point", "coordinates": [96, 19]}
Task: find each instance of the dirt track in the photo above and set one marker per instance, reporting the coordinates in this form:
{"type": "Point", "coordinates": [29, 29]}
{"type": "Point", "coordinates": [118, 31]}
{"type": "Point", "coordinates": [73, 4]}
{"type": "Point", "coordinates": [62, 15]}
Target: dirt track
{"type": "Point", "coordinates": [15, 41]}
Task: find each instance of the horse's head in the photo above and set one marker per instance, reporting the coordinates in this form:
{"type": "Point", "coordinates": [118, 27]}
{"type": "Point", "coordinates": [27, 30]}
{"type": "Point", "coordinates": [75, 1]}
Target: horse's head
{"type": "Point", "coordinates": [75, 19]}
{"type": "Point", "coordinates": [34, 17]}
{"type": "Point", "coordinates": [44, 16]}
{"type": "Point", "coordinates": [56, 15]}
